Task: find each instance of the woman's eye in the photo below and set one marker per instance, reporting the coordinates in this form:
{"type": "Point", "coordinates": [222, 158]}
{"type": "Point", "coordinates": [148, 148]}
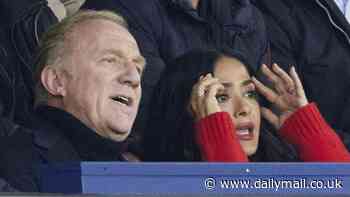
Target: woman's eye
{"type": "Point", "coordinates": [251, 94]}
{"type": "Point", "coordinates": [222, 98]}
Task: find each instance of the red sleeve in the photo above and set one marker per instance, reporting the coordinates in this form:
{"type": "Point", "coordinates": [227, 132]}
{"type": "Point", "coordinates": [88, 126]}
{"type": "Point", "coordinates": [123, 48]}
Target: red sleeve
{"type": "Point", "coordinates": [215, 135]}
{"type": "Point", "coordinates": [314, 139]}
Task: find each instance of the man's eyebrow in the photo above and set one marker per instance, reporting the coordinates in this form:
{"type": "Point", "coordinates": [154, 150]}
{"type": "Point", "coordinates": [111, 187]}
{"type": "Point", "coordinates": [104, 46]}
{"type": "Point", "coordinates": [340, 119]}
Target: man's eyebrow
{"type": "Point", "coordinates": [115, 52]}
{"type": "Point", "coordinates": [141, 60]}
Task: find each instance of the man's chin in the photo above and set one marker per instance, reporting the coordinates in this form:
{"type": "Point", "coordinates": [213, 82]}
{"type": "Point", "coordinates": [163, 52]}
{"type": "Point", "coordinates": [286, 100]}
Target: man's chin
{"type": "Point", "coordinates": [120, 134]}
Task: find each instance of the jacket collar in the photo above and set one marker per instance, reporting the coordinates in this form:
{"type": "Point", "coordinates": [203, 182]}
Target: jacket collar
{"type": "Point", "coordinates": [88, 145]}
{"type": "Point", "coordinates": [335, 14]}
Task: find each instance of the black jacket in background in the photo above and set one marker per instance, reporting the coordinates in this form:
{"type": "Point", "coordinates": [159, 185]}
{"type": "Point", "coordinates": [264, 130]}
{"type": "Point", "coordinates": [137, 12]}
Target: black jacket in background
{"type": "Point", "coordinates": [22, 22]}
{"type": "Point", "coordinates": [166, 29]}
{"type": "Point", "coordinates": [313, 35]}
{"type": "Point", "coordinates": [54, 136]}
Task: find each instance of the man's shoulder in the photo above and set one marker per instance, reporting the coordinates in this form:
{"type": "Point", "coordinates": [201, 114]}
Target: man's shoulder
{"type": "Point", "coordinates": [50, 140]}
{"type": "Point", "coordinates": [24, 150]}
{"type": "Point", "coordinates": [17, 156]}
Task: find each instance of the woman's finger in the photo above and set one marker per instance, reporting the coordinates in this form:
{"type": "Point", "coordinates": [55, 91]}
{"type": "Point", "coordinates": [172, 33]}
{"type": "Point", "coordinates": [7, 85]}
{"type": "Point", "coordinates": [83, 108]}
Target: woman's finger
{"type": "Point", "coordinates": [194, 100]}
{"type": "Point", "coordinates": [214, 89]}
{"type": "Point", "coordinates": [289, 83]}
{"type": "Point", "coordinates": [272, 77]}
{"type": "Point", "coordinates": [299, 87]}
{"type": "Point", "coordinates": [205, 83]}
{"type": "Point", "coordinates": [270, 116]}
{"type": "Point", "coordinates": [277, 82]}
{"type": "Point", "coordinates": [296, 79]}
{"type": "Point", "coordinates": [212, 105]}
{"type": "Point", "coordinates": [269, 94]}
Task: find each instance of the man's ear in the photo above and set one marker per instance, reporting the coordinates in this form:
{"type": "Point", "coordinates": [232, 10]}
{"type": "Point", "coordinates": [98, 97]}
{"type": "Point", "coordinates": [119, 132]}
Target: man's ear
{"type": "Point", "coordinates": [53, 80]}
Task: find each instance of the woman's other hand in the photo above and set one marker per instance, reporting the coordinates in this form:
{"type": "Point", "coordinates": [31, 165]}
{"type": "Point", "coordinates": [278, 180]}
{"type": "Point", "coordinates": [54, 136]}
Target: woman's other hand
{"type": "Point", "coordinates": [287, 95]}
{"type": "Point", "coordinates": [203, 97]}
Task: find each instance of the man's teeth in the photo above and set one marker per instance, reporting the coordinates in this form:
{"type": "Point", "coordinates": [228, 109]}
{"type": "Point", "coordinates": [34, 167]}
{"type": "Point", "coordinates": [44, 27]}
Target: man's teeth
{"type": "Point", "coordinates": [122, 99]}
{"type": "Point", "coordinates": [125, 99]}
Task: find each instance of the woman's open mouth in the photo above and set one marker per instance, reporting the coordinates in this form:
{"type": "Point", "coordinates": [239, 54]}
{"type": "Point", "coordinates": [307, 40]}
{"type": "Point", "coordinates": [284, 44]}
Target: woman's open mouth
{"type": "Point", "coordinates": [245, 131]}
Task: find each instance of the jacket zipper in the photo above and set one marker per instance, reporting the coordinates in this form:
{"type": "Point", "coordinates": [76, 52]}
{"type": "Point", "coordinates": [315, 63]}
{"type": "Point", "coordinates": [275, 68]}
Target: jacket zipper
{"type": "Point", "coordinates": [332, 21]}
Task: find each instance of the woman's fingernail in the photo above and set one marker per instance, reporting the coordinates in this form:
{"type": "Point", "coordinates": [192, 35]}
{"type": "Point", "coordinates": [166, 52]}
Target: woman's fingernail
{"type": "Point", "coordinates": [265, 66]}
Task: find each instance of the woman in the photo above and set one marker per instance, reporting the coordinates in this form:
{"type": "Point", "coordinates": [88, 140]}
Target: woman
{"type": "Point", "coordinates": [206, 108]}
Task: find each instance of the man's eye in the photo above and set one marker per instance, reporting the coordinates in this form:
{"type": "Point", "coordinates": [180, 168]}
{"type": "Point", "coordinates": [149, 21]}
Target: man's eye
{"type": "Point", "coordinates": [110, 60]}
{"type": "Point", "coordinates": [139, 70]}
{"type": "Point", "coordinates": [222, 98]}
{"type": "Point", "coordinates": [251, 94]}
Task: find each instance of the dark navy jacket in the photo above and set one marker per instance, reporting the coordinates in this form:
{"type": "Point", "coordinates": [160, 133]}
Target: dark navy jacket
{"type": "Point", "coordinates": [166, 29]}
{"type": "Point", "coordinates": [314, 36]}
{"type": "Point", "coordinates": [54, 136]}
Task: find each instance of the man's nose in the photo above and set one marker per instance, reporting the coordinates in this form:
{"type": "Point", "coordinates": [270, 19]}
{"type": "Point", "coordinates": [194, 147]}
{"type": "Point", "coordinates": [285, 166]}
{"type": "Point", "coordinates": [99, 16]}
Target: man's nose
{"type": "Point", "coordinates": [131, 76]}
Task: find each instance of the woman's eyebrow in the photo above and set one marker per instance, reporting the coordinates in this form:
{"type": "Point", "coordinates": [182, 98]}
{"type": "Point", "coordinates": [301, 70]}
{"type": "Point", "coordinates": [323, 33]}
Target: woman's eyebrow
{"type": "Point", "coordinates": [247, 82]}
{"type": "Point", "coordinates": [227, 84]}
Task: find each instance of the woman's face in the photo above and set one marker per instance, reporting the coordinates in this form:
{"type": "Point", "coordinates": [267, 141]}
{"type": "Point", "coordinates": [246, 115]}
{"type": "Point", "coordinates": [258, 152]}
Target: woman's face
{"type": "Point", "coordinates": [239, 99]}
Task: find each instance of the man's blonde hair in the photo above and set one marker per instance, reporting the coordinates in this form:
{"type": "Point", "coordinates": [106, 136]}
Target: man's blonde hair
{"type": "Point", "coordinates": [52, 48]}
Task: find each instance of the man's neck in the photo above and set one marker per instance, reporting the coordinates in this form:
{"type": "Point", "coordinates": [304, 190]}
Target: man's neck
{"type": "Point", "coordinates": [195, 3]}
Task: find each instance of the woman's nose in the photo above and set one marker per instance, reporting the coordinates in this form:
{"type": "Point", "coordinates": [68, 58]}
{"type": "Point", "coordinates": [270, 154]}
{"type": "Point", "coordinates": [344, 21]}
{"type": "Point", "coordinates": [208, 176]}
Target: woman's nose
{"type": "Point", "coordinates": [242, 108]}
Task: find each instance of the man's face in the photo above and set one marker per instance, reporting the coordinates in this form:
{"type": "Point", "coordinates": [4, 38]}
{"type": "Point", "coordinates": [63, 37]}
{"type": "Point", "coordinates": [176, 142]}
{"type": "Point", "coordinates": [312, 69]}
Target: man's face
{"type": "Point", "coordinates": [103, 85]}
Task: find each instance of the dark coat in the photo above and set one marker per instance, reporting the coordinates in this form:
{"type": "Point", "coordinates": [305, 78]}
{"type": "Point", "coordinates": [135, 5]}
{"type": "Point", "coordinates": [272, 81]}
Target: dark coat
{"type": "Point", "coordinates": [21, 25]}
{"type": "Point", "coordinates": [54, 136]}
{"type": "Point", "coordinates": [166, 29]}
{"type": "Point", "coordinates": [314, 35]}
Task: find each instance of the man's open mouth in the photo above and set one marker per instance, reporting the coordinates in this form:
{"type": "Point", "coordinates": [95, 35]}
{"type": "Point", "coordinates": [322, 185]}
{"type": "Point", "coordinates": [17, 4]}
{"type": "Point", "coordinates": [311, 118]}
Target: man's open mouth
{"type": "Point", "coordinates": [122, 99]}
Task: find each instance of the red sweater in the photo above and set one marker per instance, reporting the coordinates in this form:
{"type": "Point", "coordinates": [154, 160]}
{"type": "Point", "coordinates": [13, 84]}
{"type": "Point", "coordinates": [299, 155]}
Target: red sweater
{"type": "Point", "coordinates": [313, 138]}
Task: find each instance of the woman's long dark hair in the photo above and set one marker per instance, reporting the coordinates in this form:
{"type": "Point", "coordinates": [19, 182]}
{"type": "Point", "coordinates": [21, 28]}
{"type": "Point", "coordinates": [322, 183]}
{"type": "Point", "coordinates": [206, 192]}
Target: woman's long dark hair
{"type": "Point", "coordinates": [169, 135]}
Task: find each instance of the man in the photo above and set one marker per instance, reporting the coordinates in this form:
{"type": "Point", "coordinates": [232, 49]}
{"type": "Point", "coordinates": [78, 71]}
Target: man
{"type": "Point", "coordinates": [87, 96]}
{"type": "Point", "coordinates": [314, 36]}
{"type": "Point", "coordinates": [166, 29]}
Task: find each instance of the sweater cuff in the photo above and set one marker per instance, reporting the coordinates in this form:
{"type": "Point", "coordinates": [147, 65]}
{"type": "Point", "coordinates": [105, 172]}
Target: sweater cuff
{"type": "Point", "coordinates": [314, 139]}
{"type": "Point", "coordinates": [306, 123]}
{"type": "Point", "coordinates": [216, 137]}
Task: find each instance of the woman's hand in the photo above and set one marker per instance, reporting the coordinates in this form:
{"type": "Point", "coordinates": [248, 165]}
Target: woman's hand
{"type": "Point", "coordinates": [287, 96]}
{"type": "Point", "coordinates": [203, 97]}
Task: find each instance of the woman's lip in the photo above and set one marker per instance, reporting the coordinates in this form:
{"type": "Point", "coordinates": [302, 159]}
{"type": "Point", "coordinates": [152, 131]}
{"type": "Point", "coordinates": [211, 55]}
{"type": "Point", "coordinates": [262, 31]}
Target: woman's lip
{"type": "Point", "coordinates": [245, 131]}
{"type": "Point", "coordinates": [245, 137]}
{"type": "Point", "coordinates": [245, 125]}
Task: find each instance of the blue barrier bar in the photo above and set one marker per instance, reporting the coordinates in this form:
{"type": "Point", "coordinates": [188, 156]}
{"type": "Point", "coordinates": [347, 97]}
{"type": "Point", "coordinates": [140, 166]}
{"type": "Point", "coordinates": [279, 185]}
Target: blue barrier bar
{"type": "Point", "coordinates": [197, 178]}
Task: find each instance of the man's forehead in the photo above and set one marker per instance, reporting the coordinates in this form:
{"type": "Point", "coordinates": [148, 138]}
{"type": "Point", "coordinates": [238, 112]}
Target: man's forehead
{"type": "Point", "coordinates": [103, 34]}
{"type": "Point", "coordinates": [94, 28]}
